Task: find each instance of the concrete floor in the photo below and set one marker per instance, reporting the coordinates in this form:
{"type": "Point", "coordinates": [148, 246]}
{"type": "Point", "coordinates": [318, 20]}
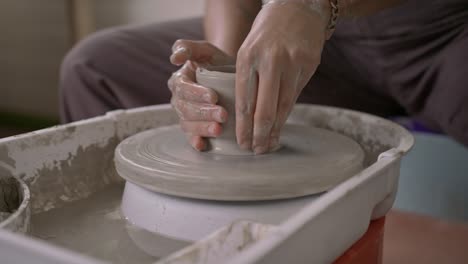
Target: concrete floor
{"type": "Point", "coordinates": [413, 238]}
{"type": "Point", "coordinates": [432, 186]}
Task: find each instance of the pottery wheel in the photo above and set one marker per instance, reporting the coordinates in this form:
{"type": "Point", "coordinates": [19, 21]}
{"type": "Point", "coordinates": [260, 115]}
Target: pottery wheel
{"type": "Point", "coordinates": [311, 160]}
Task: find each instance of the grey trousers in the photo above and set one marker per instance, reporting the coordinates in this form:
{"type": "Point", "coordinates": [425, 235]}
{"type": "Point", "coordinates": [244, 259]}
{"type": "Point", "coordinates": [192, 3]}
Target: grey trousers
{"type": "Point", "coordinates": [408, 60]}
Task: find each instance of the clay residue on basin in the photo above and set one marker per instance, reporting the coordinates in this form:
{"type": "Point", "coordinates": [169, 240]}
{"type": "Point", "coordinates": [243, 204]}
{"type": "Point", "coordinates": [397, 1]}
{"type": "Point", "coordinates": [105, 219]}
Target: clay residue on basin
{"type": "Point", "coordinates": [223, 244]}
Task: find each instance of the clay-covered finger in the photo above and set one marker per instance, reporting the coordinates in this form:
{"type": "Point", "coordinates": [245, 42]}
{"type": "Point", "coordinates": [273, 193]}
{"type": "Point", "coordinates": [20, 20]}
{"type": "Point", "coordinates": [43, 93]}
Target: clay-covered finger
{"type": "Point", "coordinates": [187, 72]}
{"type": "Point", "coordinates": [288, 94]}
{"type": "Point", "coordinates": [186, 89]}
{"type": "Point", "coordinates": [246, 95]}
{"type": "Point", "coordinates": [189, 111]}
{"type": "Point", "coordinates": [266, 107]}
{"type": "Point", "coordinates": [197, 51]}
{"type": "Point", "coordinates": [180, 56]}
{"type": "Point", "coordinates": [197, 142]}
{"type": "Point", "coordinates": [201, 128]}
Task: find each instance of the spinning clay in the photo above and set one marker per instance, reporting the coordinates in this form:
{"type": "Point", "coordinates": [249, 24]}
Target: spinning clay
{"type": "Point", "coordinates": [310, 160]}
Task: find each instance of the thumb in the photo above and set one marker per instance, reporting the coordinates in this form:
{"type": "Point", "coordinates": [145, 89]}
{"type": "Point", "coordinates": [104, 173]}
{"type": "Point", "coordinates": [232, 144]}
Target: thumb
{"type": "Point", "coordinates": [197, 51]}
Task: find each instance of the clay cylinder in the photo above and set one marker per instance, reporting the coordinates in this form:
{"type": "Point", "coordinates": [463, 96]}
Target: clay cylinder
{"type": "Point", "coordinates": [222, 79]}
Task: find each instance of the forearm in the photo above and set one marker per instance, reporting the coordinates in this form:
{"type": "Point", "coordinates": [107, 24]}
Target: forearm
{"type": "Point", "coordinates": [227, 22]}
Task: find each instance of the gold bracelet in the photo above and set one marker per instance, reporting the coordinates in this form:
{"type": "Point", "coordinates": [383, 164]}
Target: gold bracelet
{"type": "Point", "coordinates": [334, 14]}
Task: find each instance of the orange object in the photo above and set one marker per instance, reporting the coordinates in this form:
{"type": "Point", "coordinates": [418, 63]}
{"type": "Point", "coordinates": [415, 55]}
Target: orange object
{"type": "Point", "coordinates": [369, 248]}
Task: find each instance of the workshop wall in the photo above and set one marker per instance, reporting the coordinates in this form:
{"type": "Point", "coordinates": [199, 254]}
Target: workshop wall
{"type": "Point", "coordinates": [35, 35]}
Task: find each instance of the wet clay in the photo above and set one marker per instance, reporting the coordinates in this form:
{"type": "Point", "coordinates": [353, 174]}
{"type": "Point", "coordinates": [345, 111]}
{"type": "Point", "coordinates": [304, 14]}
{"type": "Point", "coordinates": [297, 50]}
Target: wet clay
{"type": "Point", "coordinates": [222, 80]}
{"type": "Point", "coordinates": [311, 160]}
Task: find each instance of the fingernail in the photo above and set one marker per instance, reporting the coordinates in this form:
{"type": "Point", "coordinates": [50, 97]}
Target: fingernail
{"type": "Point", "coordinates": [207, 98]}
{"type": "Point", "coordinates": [174, 62]}
{"type": "Point", "coordinates": [212, 129]}
{"type": "Point", "coordinates": [176, 52]}
{"type": "Point", "coordinates": [201, 145]}
{"type": "Point", "coordinates": [260, 150]}
{"type": "Point", "coordinates": [245, 142]}
{"type": "Point", "coordinates": [180, 50]}
{"type": "Point", "coordinates": [274, 144]}
{"type": "Point", "coordinates": [220, 116]}
{"type": "Point", "coordinates": [245, 146]}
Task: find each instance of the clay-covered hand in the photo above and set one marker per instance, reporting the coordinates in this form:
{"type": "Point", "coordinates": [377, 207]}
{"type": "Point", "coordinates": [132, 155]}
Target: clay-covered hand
{"type": "Point", "coordinates": [281, 53]}
{"type": "Point", "coordinates": [196, 105]}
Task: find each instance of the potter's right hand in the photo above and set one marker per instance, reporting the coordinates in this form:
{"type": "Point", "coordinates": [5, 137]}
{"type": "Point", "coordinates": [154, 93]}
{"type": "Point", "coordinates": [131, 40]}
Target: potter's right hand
{"type": "Point", "coordinates": [274, 63]}
{"type": "Point", "coordinates": [195, 105]}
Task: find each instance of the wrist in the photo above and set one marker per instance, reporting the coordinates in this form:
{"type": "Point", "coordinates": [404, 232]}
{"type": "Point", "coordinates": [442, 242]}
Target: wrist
{"type": "Point", "coordinates": [328, 10]}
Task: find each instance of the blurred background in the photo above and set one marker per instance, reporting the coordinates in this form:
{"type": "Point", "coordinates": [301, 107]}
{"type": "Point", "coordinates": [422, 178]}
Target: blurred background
{"type": "Point", "coordinates": [35, 36]}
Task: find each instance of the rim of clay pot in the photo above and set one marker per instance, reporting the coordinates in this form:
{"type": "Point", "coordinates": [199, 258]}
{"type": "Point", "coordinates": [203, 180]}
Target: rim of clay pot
{"type": "Point", "coordinates": [218, 72]}
{"type": "Point", "coordinates": [26, 195]}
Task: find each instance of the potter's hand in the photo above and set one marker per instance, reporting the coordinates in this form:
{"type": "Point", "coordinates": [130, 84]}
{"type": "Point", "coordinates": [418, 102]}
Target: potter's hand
{"type": "Point", "coordinates": [282, 50]}
{"type": "Point", "coordinates": [196, 105]}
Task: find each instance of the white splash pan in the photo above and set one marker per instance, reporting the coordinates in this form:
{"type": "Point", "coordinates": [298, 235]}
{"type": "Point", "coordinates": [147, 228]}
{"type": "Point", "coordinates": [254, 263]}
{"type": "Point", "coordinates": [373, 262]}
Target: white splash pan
{"type": "Point", "coordinates": [68, 163]}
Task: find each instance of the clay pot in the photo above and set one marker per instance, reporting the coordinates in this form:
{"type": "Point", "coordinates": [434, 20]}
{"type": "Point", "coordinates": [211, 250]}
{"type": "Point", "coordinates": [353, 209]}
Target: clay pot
{"type": "Point", "coordinates": [222, 79]}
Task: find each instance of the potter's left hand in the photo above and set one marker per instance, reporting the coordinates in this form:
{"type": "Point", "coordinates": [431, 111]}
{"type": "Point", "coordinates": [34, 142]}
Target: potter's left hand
{"type": "Point", "coordinates": [282, 50]}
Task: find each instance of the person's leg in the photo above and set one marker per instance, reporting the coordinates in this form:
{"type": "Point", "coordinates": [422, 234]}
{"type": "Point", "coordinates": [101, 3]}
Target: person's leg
{"type": "Point", "coordinates": [347, 77]}
{"type": "Point", "coordinates": [440, 98]}
{"type": "Point", "coordinates": [406, 60]}
{"type": "Point", "coordinates": [123, 67]}
{"type": "Point", "coordinates": [422, 55]}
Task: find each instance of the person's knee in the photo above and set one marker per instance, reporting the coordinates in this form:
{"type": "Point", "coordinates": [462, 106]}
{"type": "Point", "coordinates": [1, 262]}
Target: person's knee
{"type": "Point", "coordinates": [448, 108]}
{"type": "Point", "coordinates": [451, 94]}
{"type": "Point", "coordinates": [457, 122]}
{"type": "Point", "coordinates": [78, 67]}
{"type": "Point", "coordinates": [445, 87]}
{"type": "Point", "coordinates": [91, 51]}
